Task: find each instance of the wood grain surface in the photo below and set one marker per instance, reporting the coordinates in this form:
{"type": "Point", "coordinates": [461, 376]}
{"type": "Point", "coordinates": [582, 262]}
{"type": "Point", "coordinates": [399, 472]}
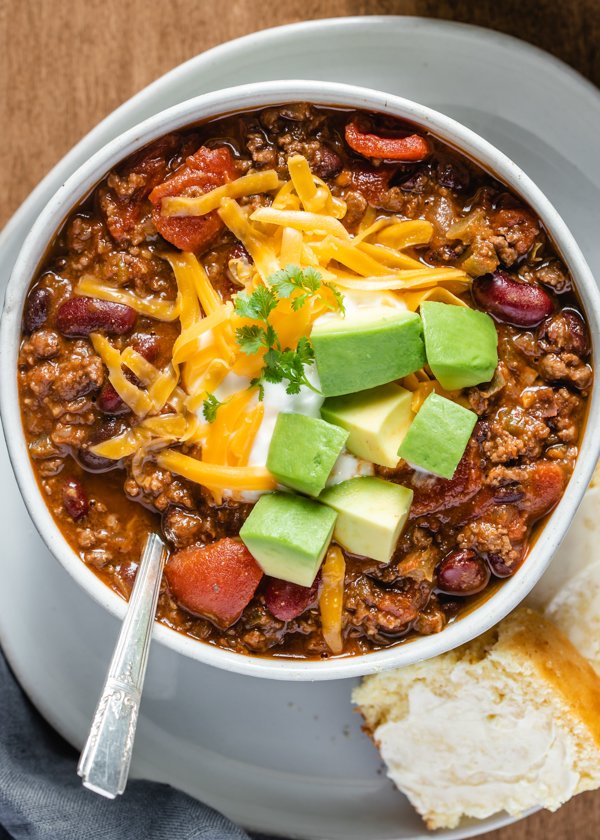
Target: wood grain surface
{"type": "Point", "coordinates": [65, 64]}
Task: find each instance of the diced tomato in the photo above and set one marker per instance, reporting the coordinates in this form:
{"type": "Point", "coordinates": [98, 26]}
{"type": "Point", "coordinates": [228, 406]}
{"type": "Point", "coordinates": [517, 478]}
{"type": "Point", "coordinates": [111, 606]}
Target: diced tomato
{"type": "Point", "coordinates": [216, 581]}
{"type": "Point", "coordinates": [123, 204]}
{"type": "Point", "coordinates": [372, 182]}
{"type": "Point", "coordinates": [287, 600]}
{"type": "Point", "coordinates": [201, 172]}
{"type": "Point", "coordinates": [413, 147]}
{"type": "Point", "coordinates": [439, 494]}
{"type": "Point", "coordinates": [543, 487]}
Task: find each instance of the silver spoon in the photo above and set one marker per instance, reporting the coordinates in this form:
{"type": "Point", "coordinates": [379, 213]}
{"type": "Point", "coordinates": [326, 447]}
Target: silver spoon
{"type": "Point", "coordinates": [106, 756]}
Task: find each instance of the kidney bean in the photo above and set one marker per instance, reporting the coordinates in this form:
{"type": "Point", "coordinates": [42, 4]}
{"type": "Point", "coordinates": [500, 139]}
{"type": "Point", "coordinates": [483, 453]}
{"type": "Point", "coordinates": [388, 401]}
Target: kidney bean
{"type": "Point", "coordinates": [508, 494]}
{"type": "Point", "coordinates": [75, 499]}
{"type": "Point", "coordinates": [328, 164]}
{"type": "Point", "coordinates": [96, 463]}
{"type": "Point", "coordinates": [415, 182]}
{"type": "Point", "coordinates": [453, 175]}
{"type": "Point", "coordinates": [499, 567]}
{"type": "Point", "coordinates": [109, 401]}
{"type": "Point", "coordinates": [510, 301]}
{"type": "Point", "coordinates": [36, 309]}
{"type": "Point", "coordinates": [147, 345]}
{"type": "Point", "coordinates": [462, 572]}
{"type": "Point", "coordinates": [287, 600]}
{"type": "Point", "coordinates": [565, 332]}
{"type": "Point", "coordinates": [182, 527]}
{"type": "Point", "coordinates": [81, 316]}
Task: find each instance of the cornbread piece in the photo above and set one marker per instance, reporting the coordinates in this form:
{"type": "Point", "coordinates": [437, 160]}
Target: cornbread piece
{"type": "Point", "coordinates": [506, 722]}
{"type": "Point", "coordinates": [569, 592]}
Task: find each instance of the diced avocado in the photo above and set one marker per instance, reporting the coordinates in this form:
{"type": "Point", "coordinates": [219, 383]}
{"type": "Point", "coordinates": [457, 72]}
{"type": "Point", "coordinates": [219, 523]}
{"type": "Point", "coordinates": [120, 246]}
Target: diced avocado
{"type": "Point", "coordinates": [288, 536]}
{"type": "Point", "coordinates": [461, 344]}
{"type": "Point", "coordinates": [377, 421]}
{"type": "Point", "coordinates": [369, 348]}
{"type": "Point", "coordinates": [438, 436]}
{"type": "Point", "coordinates": [303, 451]}
{"type": "Point", "coordinates": [371, 515]}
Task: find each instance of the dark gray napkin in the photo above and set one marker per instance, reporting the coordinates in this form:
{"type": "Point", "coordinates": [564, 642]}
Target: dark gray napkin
{"type": "Point", "coordinates": [41, 796]}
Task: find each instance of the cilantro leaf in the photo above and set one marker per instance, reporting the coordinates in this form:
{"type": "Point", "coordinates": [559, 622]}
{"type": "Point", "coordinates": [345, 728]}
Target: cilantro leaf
{"type": "Point", "coordinates": [250, 337]}
{"type": "Point", "coordinates": [286, 281]}
{"type": "Point", "coordinates": [257, 305]}
{"type": "Point", "coordinates": [312, 279]}
{"type": "Point", "coordinates": [210, 406]}
{"type": "Point", "coordinates": [305, 351]}
{"type": "Point", "coordinates": [338, 296]}
{"type": "Point", "coordinates": [292, 278]}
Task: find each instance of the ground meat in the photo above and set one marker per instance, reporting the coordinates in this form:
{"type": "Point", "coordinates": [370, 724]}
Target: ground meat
{"type": "Point", "coordinates": [141, 270]}
{"type": "Point", "coordinates": [515, 231]}
{"type": "Point", "coordinates": [260, 630]}
{"type": "Point", "coordinates": [515, 433]}
{"type": "Point", "coordinates": [500, 531]}
{"type": "Point", "coordinates": [207, 524]}
{"type": "Point", "coordinates": [374, 186]}
{"type": "Point", "coordinates": [566, 367]}
{"type": "Point", "coordinates": [356, 206]}
{"type": "Point", "coordinates": [553, 274]}
{"type": "Point", "coordinates": [566, 423]}
{"type": "Point", "coordinates": [43, 344]}
{"type": "Point", "coordinates": [76, 372]}
{"type": "Point", "coordinates": [432, 619]}
{"type": "Point", "coordinates": [159, 488]}
{"type": "Point", "coordinates": [386, 613]}
{"type": "Point", "coordinates": [86, 239]}
{"type": "Point", "coordinates": [480, 258]}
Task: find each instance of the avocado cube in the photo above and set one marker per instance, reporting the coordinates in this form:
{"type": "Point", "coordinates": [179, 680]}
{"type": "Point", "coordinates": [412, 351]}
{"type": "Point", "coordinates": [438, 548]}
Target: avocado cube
{"type": "Point", "coordinates": [369, 348]}
{"type": "Point", "coordinates": [438, 436]}
{"type": "Point", "coordinates": [377, 421]}
{"type": "Point", "coordinates": [303, 451]}
{"type": "Point", "coordinates": [288, 536]}
{"type": "Point", "coordinates": [371, 515]}
{"type": "Point", "coordinates": [461, 344]}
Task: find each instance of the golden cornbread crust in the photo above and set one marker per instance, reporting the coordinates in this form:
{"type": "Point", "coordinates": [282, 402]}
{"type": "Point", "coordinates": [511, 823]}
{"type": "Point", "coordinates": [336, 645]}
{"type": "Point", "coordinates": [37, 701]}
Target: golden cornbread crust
{"type": "Point", "coordinates": [527, 635]}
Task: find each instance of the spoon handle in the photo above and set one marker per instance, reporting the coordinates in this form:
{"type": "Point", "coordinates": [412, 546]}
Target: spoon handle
{"type": "Point", "coordinates": [106, 756]}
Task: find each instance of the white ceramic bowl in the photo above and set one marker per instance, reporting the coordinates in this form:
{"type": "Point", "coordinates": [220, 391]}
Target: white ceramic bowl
{"type": "Point", "coordinates": [247, 97]}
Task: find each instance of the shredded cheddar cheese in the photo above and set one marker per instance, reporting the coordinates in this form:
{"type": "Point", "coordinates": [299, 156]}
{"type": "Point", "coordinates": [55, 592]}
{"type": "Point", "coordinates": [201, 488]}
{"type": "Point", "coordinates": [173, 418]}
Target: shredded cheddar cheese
{"type": "Point", "coordinates": [252, 184]}
{"type": "Point", "coordinates": [216, 475]}
{"type": "Point", "coordinates": [162, 310]}
{"type": "Point", "coordinates": [331, 600]}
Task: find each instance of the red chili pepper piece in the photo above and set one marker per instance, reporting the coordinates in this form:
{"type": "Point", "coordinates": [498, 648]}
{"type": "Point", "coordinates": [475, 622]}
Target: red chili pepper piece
{"type": "Point", "coordinates": [413, 147]}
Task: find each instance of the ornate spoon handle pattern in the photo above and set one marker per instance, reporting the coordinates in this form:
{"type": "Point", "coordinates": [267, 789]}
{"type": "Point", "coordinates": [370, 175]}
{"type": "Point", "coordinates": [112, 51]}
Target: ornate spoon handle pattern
{"type": "Point", "coordinates": [105, 759]}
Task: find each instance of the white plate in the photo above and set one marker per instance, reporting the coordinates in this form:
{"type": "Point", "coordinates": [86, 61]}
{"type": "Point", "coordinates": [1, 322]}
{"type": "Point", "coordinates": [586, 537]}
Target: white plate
{"type": "Point", "coordinates": [280, 757]}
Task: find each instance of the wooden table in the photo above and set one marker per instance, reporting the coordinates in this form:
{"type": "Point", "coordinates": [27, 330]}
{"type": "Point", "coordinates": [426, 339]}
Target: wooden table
{"type": "Point", "coordinates": [59, 76]}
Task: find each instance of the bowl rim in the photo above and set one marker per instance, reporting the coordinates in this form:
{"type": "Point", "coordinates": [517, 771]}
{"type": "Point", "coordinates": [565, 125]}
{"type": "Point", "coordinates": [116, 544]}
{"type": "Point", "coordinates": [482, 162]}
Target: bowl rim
{"type": "Point", "coordinates": [251, 97]}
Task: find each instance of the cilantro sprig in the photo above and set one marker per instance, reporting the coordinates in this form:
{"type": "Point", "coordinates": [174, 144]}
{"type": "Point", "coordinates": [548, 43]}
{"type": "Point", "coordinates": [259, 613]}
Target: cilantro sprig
{"type": "Point", "coordinates": [281, 364]}
{"type": "Point", "coordinates": [210, 406]}
{"type": "Point", "coordinates": [307, 281]}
